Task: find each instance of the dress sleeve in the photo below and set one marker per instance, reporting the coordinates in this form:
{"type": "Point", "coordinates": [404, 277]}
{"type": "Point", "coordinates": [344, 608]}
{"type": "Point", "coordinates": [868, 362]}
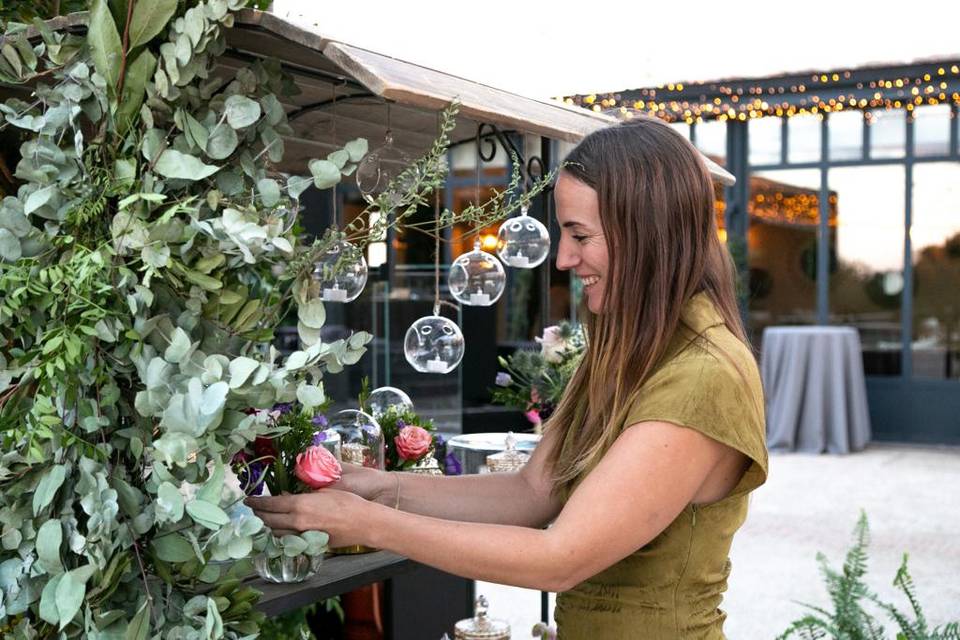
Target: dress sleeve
{"type": "Point", "coordinates": [718, 396]}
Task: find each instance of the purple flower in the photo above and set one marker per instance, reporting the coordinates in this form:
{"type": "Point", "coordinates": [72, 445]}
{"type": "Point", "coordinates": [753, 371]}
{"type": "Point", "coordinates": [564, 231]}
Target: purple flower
{"type": "Point", "coordinates": [283, 407]}
{"type": "Point", "coordinates": [503, 379]}
{"type": "Point", "coordinates": [400, 423]}
{"type": "Point", "coordinates": [320, 420]}
{"type": "Point", "coordinates": [250, 477]}
{"type": "Point", "coordinates": [319, 437]}
{"type": "Point", "coordinates": [454, 468]}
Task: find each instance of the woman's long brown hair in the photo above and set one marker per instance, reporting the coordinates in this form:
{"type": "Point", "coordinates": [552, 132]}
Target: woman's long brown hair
{"type": "Point", "coordinates": [657, 213]}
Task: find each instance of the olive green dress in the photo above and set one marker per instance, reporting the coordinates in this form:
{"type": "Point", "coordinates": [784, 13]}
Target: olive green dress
{"type": "Point", "coordinates": [671, 588]}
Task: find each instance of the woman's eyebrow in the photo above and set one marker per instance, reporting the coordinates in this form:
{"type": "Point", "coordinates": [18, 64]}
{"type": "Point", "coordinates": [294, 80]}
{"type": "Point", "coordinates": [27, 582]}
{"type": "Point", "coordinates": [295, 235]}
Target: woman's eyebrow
{"type": "Point", "coordinates": [572, 223]}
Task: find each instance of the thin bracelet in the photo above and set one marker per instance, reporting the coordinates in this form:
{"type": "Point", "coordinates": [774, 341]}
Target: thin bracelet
{"type": "Point", "coordinates": [397, 505]}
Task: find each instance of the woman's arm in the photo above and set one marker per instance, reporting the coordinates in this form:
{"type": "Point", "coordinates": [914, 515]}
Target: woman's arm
{"type": "Point", "coordinates": [652, 472]}
{"type": "Point", "coordinates": [521, 499]}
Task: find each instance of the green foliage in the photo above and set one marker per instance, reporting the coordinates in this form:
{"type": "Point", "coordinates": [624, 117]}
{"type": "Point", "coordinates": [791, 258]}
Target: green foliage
{"type": "Point", "coordinates": [294, 624]}
{"type": "Point", "coordinates": [535, 380]}
{"type": "Point", "coordinates": [847, 619]}
{"type": "Point", "coordinates": [20, 11]}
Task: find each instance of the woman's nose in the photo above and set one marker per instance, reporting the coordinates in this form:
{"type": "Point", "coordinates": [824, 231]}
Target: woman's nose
{"type": "Point", "coordinates": [566, 259]}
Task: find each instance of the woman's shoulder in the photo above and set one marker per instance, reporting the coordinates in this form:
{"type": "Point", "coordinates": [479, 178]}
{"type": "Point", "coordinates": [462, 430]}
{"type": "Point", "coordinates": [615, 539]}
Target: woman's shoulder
{"type": "Point", "coordinates": [713, 353]}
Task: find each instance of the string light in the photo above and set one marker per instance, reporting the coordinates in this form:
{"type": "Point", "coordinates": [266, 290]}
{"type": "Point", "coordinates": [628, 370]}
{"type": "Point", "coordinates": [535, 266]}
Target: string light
{"type": "Point", "coordinates": [835, 91]}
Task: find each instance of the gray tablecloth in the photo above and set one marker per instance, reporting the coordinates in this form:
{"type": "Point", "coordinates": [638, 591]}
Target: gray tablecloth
{"type": "Point", "coordinates": [815, 392]}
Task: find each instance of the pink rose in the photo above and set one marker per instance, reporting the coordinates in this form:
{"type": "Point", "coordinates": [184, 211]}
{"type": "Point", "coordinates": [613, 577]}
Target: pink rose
{"type": "Point", "coordinates": [533, 416]}
{"type": "Point", "coordinates": [412, 442]}
{"type": "Point", "coordinates": [317, 468]}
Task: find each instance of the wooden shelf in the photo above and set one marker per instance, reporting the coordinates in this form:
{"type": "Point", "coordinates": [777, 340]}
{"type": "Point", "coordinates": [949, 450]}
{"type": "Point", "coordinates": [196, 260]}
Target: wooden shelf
{"type": "Point", "coordinates": [337, 574]}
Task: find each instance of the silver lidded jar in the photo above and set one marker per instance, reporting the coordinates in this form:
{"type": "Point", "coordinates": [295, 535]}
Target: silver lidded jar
{"type": "Point", "coordinates": [480, 627]}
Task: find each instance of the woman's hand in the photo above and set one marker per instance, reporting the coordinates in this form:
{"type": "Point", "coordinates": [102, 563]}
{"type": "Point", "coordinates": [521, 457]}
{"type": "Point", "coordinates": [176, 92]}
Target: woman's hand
{"type": "Point", "coordinates": [369, 484]}
{"type": "Point", "coordinates": [339, 513]}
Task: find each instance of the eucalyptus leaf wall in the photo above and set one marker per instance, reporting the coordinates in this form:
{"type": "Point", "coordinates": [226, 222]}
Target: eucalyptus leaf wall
{"type": "Point", "coordinates": [145, 260]}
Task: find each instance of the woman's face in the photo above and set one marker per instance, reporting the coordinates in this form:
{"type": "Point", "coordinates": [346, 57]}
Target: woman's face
{"type": "Point", "coordinates": [583, 248]}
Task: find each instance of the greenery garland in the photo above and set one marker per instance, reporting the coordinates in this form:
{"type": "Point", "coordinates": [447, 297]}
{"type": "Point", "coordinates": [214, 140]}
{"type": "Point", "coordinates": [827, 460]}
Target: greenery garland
{"type": "Point", "coordinates": [148, 255]}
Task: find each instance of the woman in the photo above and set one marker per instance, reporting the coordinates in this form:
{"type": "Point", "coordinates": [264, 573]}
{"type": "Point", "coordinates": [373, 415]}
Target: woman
{"type": "Point", "coordinates": [645, 467]}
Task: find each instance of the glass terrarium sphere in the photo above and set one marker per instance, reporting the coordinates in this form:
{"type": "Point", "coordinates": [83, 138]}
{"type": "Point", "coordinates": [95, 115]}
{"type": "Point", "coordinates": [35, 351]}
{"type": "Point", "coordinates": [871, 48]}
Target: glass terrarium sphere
{"type": "Point", "coordinates": [383, 398]}
{"type": "Point", "coordinates": [379, 167]}
{"type": "Point", "coordinates": [341, 274]}
{"type": "Point", "coordinates": [329, 440]}
{"type": "Point", "coordinates": [361, 439]}
{"type": "Point", "coordinates": [434, 344]}
{"type": "Point", "coordinates": [523, 242]}
{"type": "Point", "coordinates": [477, 278]}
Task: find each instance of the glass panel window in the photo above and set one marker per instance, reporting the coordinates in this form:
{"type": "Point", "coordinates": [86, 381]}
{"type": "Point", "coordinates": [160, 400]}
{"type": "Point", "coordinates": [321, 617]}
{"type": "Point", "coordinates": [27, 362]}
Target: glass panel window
{"type": "Point", "coordinates": [764, 137]}
{"type": "Point", "coordinates": [935, 240]}
{"type": "Point", "coordinates": [846, 135]}
{"type": "Point", "coordinates": [931, 130]}
{"type": "Point", "coordinates": [782, 248]}
{"type": "Point", "coordinates": [803, 138]}
{"type": "Point", "coordinates": [888, 133]}
{"type": "Point", "coordinates": [866, 268]}
{"type": "Point", "coordinates": [712, 140]}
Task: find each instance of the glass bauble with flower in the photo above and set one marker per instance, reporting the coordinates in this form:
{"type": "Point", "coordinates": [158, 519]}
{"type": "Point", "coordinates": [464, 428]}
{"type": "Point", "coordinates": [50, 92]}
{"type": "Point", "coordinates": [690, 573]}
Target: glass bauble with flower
{"type": "Point", "coordinates": [341, 273]}
{"type": "Point", "coordinates": [361, 439]}
{"type": "Point", "coordinates": [523, 242]}
{"type": "Point", "coordinates": [382, 398]}
{"type": "Point", "coordinates": [477, 278]}
{"type": "Point", "coordinates": [434, 344]}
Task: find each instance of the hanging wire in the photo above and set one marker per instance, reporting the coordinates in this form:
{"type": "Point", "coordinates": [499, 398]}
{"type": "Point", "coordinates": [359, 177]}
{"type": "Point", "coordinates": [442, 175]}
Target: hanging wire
{"type": "Point", "coordinates": [436, 240]}
{"type": "Point", "coordinates": [333, 135]}
{"type": "Point", "coordinates": [477, 194]}
{"type": "Point", "coordinates": [436, 255]}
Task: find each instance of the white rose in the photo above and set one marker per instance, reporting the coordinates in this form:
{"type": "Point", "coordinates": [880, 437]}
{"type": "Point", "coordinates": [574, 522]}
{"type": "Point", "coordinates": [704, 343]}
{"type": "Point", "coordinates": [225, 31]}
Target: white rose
{"type": "Point", "coordinates": [552, 345]}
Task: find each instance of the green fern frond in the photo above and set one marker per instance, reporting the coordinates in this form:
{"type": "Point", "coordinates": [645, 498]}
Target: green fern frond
{"type": "Point", "coordinates": [808, 628]}
{"type": "Point", "coordinates": [904, 581]}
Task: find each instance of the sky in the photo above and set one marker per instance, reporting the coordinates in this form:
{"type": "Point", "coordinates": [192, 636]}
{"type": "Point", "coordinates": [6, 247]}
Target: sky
{"type": "Point", "coordinates": [543, 49]}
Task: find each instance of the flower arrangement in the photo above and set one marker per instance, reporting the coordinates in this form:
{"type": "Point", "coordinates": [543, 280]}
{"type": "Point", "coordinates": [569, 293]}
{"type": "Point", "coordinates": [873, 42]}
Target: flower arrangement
{"type": "Point", "coordinates": [292, 460]}
{"type": "Point", "coordinates": [409, 439]}
{"type": "Point", "coordinates": [534, 381]}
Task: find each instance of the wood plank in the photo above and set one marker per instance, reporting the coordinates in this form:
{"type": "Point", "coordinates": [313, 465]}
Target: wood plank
{"type": "Point", "coordinates": [337, 574]}
{"type": "Point", "coordinates": [415, 85]}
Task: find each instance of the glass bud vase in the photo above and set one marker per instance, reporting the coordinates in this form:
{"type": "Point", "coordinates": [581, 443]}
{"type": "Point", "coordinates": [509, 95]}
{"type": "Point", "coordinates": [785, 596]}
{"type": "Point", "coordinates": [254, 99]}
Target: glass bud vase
{"type": "Point", "coordinates": [286, 569]}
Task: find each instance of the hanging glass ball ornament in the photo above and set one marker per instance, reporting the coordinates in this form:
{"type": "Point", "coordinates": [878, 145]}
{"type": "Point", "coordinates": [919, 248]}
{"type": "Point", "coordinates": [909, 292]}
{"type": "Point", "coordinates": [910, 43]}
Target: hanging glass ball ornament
{"type": "Point", "coordinates": [341, 274]}
{"type": "Point", "coordinates": [434, 344]}
{"type": "Point", "coordinates": [523, 242]}
{"type": "Point", "coordinates": [379, 167]}
{"type": "Point", "coordinates": [477, 278]}
{"type": "Point", "coordinates": [382, 398]}
{"type": "Point", "coordinates": [361, 439]}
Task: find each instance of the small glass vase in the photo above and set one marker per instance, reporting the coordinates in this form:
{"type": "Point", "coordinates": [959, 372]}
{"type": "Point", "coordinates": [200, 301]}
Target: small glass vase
{"type": "Point", "coordinates": [286, 569]}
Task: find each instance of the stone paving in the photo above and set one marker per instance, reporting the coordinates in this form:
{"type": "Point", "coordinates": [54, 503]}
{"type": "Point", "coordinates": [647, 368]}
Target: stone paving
{"type": "Point", "coordinates": [811, 503]}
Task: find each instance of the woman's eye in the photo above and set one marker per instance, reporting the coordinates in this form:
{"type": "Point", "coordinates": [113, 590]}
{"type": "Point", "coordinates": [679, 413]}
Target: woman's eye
{"type": "Point", "coordinates": [579, 238]}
